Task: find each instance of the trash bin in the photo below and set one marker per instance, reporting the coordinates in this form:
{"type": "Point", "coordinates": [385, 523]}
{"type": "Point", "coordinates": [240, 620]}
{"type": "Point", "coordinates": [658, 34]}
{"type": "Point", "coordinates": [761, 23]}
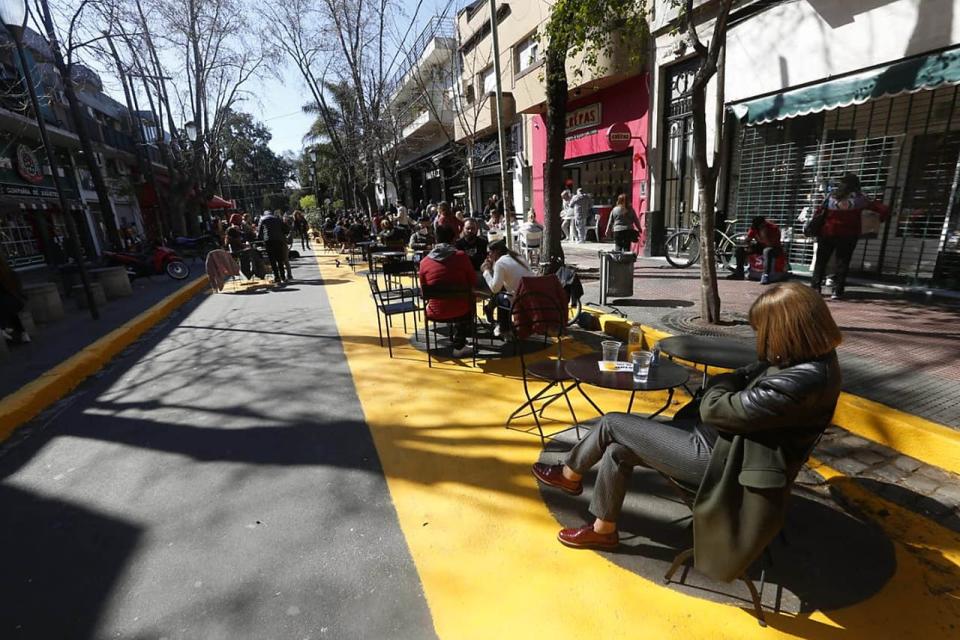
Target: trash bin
{"type": "Point", "coordinates": [616, 274]}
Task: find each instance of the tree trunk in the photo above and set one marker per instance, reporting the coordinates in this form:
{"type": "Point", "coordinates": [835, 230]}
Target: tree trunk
{"type": "Point", "coordinates": [555, 72]}
{"type": "Point", "coordinates": [76, 112]}
{"type": "Point", "coordinates": [707, 190]}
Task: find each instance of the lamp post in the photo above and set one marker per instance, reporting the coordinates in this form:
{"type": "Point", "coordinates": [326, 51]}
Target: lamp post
{"type": "Point", "coordinates": [13, 14]}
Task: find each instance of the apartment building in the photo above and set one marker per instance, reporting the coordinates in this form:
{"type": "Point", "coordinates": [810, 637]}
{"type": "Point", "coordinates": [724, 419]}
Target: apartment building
{"type": "Point", "coordinates": [612, 99]}
{"type": "Point", "coordinates": [813, 89]}
{"type": "Point", "coordinates": [428, 167]}
{"type": "Point", "coordinates": [32, 226]}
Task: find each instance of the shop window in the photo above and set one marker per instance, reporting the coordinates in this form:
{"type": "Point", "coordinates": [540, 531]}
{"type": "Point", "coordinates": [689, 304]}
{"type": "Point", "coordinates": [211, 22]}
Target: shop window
{"type": "Point", "coordinates": [930, 177]}
{"type": "Point", "coordinates": [526, 55]}
{"type": "Point", "coordinates": [18, 241]}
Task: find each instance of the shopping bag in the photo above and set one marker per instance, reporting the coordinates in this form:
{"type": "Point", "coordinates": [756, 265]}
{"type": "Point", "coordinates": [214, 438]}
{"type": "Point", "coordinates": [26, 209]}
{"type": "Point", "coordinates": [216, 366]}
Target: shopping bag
{"type": "Point", "coordinates": [869, 224]}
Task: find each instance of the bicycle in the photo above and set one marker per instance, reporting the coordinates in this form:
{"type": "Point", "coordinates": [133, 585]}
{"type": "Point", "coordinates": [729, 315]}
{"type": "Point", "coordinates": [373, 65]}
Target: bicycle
{"type": "Point", "coordinates": [682, 248]}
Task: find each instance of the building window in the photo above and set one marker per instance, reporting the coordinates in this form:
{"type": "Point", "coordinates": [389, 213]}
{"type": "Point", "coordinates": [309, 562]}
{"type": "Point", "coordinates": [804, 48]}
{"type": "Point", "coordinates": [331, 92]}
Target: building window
{"type": "Point", "coordinates": [525, 55]}
{"type": "Point", "coordinates": [488, 80]}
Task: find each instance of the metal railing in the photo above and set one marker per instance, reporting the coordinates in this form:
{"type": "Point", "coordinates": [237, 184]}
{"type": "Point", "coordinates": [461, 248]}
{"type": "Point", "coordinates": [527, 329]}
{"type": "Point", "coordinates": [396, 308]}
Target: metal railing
{"type": "Point", "coordinates": [436, 28]}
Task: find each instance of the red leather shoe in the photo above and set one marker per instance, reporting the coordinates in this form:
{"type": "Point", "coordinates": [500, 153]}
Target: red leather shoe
{"type": "Point", "coordinates": [586, 538]}
{"type": "Point", "coordinates": [552, 475]}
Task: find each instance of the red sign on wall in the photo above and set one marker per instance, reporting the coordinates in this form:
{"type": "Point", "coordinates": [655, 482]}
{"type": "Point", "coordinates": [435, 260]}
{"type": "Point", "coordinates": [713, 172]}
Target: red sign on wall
{"type": "Point", "coordinates": [619, 137]}
{"type": "Point", "coordinates": [27, 165]}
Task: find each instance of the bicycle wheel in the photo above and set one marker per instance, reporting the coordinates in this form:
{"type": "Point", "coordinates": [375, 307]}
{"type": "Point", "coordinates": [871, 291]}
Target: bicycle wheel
{"type": "Point", "coordinates": [726, 253]}
{"type": "Point", "coordinates": [682, 249]}
{"type": "Point", "coordinates": [573, 312]}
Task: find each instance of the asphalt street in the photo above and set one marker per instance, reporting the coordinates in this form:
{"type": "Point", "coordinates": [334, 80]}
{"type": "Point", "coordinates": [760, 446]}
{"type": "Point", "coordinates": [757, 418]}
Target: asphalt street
{"type": "Point", "coordinates": [216, 481]}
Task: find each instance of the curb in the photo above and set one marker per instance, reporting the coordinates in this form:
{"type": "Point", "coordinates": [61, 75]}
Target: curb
{"type": "Point", "coordinates": [28, 401]}
{"type": "Point", "coordinates": [930, 442]}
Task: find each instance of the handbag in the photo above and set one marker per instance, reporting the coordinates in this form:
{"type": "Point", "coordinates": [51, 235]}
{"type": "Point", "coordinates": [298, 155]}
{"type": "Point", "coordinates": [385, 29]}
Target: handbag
{"type": "Point", "coordinates": [869, 224]}
{"type": "Point", "coordinates": [814, 224]}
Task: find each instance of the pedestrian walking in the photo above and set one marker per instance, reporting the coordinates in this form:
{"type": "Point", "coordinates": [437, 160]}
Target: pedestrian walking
{"type": "Point", "coordinates": [566, 214]}
{"type": "Point", "coordinates": [301, 228]}
{"type": "Point", "coordinates": [273, 233]}
{"type": "Point", "coordinates": [624, 225]}
{"type": "Point", "coordinates": [841, 212]}
{"type": "Point", "coordinates": [582, 205]}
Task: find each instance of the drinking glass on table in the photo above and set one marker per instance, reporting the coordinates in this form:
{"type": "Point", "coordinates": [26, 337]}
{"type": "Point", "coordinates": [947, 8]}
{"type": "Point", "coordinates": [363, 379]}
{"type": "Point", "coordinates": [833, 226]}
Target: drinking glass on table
{"type": "Point", "coordinates": [641, 365]}
{"type": "Point", "coordinates": [611, 351]}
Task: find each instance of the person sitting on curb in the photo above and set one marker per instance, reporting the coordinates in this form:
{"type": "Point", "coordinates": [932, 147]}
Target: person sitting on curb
{"type": "Point", "coordinates": [445, 265]}
{"type": "Point", "coordinates": [756, 428]}
{"type": "Point", "coordinates": [763, 237]}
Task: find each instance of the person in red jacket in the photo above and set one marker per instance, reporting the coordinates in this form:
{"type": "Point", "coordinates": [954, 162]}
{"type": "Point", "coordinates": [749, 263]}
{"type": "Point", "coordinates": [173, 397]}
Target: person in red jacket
{"type": "Point", "coordinates": [445, 265]}
{"type": "Point", "coordinates": [841, 229]}
{"type": "Point", "coordinates": [763, 237]}
{"type": "Point", "coordinates": [446, 218]}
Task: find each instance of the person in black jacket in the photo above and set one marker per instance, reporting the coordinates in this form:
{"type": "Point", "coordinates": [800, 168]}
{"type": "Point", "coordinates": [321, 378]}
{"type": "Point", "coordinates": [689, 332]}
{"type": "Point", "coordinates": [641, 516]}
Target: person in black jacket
{"type": "Point", "coordinates": [273, 232]}
{"type": "Point", "coordinates": [757, 426]}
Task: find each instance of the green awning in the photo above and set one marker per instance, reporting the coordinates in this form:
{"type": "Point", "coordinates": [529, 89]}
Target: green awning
{"type": "Point", "coordinates": [906, 76]}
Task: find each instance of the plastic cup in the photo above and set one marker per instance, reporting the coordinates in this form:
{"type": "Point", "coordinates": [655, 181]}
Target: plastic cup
{"type": "Point", "coordinates": [611, 352]}
{"type": "Point", "coordinates": [641, 365]}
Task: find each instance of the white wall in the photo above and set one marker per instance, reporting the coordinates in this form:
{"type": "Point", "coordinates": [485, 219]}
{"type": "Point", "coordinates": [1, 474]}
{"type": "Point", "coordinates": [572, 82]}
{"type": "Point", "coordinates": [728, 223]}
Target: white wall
{"type": "Point", "coordinates": [809, 40]}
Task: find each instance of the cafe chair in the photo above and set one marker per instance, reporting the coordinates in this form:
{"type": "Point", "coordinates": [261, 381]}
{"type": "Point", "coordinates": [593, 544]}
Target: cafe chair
{"type": "Point", "coordinates": [688, 495]}
{"type": "Point", "coordinates": [540, 309]}
{"type": "Point", "coordinates": [389, 306]}
{"type": "Point", "coordinates": [393, 274]}
{"type": "Point", "coordinates": [448, 292]}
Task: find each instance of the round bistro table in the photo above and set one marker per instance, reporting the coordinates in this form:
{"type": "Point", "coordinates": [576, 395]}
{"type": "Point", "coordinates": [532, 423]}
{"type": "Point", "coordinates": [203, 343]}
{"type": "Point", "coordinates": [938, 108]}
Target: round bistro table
{"type": "Point", "coordinates": [664, 376]}
{"type": "Point", "coordinates": [710, 351]}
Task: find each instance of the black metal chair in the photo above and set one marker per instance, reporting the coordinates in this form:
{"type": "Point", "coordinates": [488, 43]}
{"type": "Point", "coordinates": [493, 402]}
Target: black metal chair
{"type": "Point", "coordinates": [688, 495]}
{"type": "Point", "coordinates": [390, 306]}
{"type": "Point", "coordinates": [448, 292]}
{"type": "Point", "coordinates": [537, 312]}
{"type": "Point", "coordinates": [393, 274]}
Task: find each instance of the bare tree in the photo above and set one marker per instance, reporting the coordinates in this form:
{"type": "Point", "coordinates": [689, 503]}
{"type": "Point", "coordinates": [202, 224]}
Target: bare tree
{"type": "Point", "coordinates": [707, 162]}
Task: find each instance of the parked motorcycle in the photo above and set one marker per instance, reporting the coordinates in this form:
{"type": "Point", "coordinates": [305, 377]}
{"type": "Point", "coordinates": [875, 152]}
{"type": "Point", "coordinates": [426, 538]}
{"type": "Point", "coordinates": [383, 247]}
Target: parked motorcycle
{"type": "Point", "coordinates": [160, 260]}
{"type": "Point", "coordinates": [197, 247]}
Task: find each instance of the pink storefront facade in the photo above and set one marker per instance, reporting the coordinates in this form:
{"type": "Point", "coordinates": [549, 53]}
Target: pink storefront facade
{"type": "Point", "coordinates": [602, 167]}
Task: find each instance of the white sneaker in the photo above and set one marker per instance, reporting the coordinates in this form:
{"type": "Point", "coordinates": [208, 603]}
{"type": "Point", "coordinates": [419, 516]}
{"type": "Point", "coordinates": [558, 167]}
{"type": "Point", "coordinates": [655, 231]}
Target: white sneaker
{"type": "Point", "coordinates": [496, 330]}
{"type": "Point", "coordinates": [24, 337]}
{"type": "Point", "coordinates": [7, 334]}
{"type": "Point", "coordinates": [466, 350]}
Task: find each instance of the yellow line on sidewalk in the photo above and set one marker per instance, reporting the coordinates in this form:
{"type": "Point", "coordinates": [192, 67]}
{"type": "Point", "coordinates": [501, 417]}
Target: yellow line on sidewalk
{"type": "Point", "coordinates": [484, 542]}
{"type": "Point", "coordinates": [925, 440]}
{"type": "Point", "coordinates": [28, 401]}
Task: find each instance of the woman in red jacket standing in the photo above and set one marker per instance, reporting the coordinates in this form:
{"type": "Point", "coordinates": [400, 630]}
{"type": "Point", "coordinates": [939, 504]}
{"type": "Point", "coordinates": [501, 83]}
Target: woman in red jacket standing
{"type": "Point", "coordinates": [841, 229]}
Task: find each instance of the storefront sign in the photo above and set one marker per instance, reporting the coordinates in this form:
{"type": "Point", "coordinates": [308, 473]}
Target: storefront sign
{"type": "Point", "coordinates": [32, 192]}
{"type": "Point", "coordinates": [587, 117]}
{"type": "Point", "coordinates": [619, 137]}
{"type": "Point", "coordinates": [27, 165]}
{"type": "Point", "coordinates": [433, 174]}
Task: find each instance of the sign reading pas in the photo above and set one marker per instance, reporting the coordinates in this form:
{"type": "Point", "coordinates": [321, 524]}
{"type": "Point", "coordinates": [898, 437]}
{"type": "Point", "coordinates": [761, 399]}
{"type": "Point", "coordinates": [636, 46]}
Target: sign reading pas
{"type": "Point", "coordinates": [587, 117]}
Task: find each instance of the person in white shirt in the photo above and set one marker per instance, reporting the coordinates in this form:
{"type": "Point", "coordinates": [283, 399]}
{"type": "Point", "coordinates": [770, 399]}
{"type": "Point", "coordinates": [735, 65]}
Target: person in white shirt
{"type": "Point", "coordinates": [566, 215]}
{"type": "Point", "coordinates": [502, 271]}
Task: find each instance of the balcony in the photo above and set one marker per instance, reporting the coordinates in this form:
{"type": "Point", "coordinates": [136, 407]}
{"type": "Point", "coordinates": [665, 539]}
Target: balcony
{"type": "Point", "coordinates": [434, 47]}
{"type": "Point", "coordinates": [428, 123]}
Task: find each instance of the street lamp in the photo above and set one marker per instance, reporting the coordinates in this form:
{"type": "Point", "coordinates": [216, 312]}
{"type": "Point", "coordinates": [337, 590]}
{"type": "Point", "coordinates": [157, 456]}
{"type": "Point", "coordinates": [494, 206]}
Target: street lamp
{"type": "Point", "coordinates": [13, 14]}
{"type": "Point", "coordinates": [313, 155]}
{"type": "Point", "coordinates": [191, 130]}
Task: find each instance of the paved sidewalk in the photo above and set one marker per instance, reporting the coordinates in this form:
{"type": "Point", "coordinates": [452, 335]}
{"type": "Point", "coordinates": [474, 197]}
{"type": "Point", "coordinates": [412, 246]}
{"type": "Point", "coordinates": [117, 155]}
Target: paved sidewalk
{"type": "Point", "coordinates": [55, 342]}
{"type": "Point", "coordinates": [899, 350]}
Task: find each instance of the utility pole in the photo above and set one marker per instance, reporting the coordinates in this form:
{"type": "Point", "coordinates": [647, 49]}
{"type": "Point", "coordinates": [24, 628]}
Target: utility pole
{"type": "Point", "coordinates": [501, 136]}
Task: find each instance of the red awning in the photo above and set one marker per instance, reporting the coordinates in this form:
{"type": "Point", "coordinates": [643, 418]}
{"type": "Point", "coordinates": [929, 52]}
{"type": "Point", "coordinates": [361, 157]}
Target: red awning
{"type": "Point", "coordinates": [216, 202]}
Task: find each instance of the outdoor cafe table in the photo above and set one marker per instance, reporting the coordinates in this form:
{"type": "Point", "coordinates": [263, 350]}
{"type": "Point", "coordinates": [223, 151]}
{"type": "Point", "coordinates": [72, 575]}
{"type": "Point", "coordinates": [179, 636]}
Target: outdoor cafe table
{"type": "Point", "coordinates": [710, 351]}
{"type": "Point", "coordinates": [665, 375]}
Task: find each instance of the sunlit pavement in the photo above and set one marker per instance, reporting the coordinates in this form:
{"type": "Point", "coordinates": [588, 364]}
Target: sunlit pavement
{"type": "Point", "coordinates": [259, 468]}
{"type": "Point", "coordinates": [483, 540]}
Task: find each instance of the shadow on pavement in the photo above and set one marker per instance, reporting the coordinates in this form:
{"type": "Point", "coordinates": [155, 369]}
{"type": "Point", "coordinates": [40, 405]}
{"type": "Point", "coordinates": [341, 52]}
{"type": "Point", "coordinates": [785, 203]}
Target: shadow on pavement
{"type": "Point", "coordinates": [825, 560]}
{"type": "Point", "coordinates": [61, 558]}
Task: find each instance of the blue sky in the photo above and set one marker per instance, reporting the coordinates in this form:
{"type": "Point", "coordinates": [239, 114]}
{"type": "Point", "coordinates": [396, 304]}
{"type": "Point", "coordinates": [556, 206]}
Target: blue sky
{"type": "Point", "coordinates": [278, 102]}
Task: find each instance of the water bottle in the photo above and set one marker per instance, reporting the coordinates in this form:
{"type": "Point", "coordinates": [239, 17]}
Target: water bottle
{"type": "Point", "coordinates": [634, 340]}
{"type": "Point", "coordinates": [655, 355]}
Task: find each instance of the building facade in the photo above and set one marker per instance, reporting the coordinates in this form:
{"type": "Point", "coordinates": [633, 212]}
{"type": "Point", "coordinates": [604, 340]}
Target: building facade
{"type": "Point", "coordinates": [812, 90]}
{"type": "Point", "coordinates": [32, 225]}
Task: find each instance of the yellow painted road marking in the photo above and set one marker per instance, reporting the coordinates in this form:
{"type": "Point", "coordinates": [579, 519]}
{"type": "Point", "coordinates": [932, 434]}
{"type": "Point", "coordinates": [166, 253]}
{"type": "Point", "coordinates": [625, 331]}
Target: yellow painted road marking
{"type": "Point", "coordinates": [484, 542]}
